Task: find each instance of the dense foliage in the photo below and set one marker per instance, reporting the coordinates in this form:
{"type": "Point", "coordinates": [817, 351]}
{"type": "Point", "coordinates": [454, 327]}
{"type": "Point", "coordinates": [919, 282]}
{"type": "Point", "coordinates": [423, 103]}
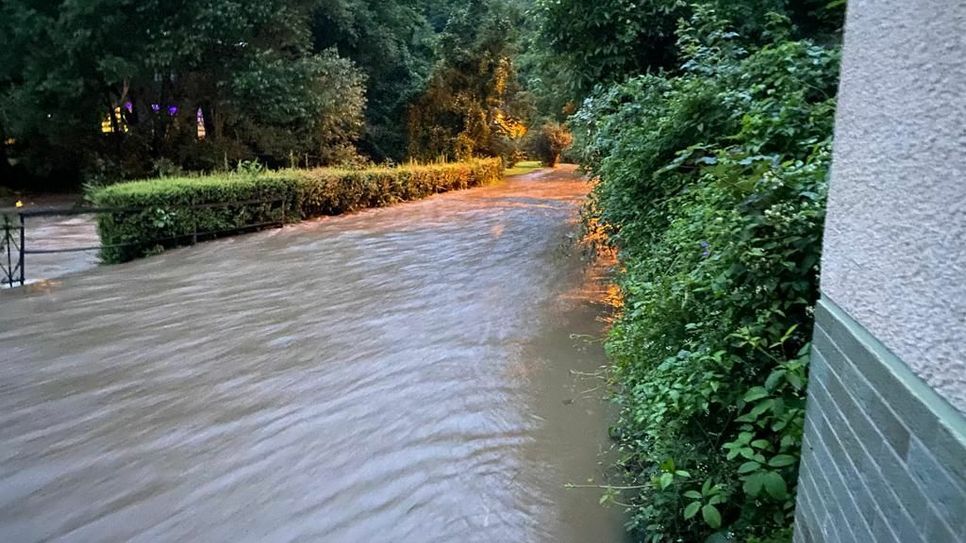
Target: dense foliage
{"type": "Point", "coordinates": [712, 185]}
{"type": "Point", "coordinates": [100, 90]}
{"type": "Point", "coordinates": [394, 44]}
{"type": "Point", "coordinates": [606, 40]}
{"type": "Point", "coordinates": [162, 213]}
{"type": "Point", "coordinates": [116, 87]}
{"type": "Point", "coordinates": [472, 105]}
{"type": "Point", "coordinates": [549, 142]}
{"type": "Point", "coordinates": [578, 45]}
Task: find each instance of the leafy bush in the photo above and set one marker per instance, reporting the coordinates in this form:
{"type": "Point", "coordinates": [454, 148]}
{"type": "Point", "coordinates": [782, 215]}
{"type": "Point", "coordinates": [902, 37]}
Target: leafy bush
{"type": "Point", "coordinates": [163, 213]}
{"type": "Point", "coordinates": [712, 185]}
{"type": "Point", "coordinates": [473, 101]}
{"type": "Point", "coordinates": [549, 142]}
{"type": "Point", "coordinates": [330, 191]}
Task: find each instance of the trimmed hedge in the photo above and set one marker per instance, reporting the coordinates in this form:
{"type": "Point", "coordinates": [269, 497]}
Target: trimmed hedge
{"type": "Point", "coordinates": [331, 192]}
{"type": "Point", "coordinates": [161, 213]}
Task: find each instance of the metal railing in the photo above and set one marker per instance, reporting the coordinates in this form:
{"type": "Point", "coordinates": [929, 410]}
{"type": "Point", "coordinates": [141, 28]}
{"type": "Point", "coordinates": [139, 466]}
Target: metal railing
{"type": "Point", "coordinates": [13, 242]}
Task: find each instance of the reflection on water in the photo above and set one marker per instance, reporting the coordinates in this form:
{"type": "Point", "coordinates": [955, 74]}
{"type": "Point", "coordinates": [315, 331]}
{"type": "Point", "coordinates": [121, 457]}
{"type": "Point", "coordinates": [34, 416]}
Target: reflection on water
{"type": "Point", "coordinates": [401, 374]}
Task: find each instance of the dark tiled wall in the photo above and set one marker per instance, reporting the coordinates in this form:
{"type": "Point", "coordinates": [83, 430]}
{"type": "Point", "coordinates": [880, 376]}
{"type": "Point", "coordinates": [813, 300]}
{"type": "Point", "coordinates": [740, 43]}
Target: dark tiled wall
{"type": "Point", "coordinates": [884, 458]}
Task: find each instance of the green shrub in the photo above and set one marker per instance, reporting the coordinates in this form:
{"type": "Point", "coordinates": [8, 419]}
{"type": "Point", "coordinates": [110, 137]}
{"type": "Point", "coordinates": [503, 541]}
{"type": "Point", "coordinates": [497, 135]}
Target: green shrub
{"type": "Point", "coordinates": [331, 191]}
{"type": "Point", "coordinates": [170, 212]}
{"type": "Point", "coordinates": [712, 185]}
{"type": "Point", "coordinates": [549, 142]}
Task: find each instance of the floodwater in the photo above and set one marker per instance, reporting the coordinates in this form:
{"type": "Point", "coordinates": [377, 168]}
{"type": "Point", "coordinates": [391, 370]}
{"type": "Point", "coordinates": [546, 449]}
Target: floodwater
{"type": "Point", "coordinates": [416, 373]}
{"type": "Point", "coordinates": [57, 233]}
{"type": "Point", "coordinates": [54, 232]}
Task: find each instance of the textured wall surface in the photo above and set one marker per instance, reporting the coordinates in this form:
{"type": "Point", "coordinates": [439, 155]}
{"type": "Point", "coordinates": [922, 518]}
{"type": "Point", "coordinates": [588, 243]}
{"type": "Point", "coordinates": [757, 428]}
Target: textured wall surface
{"type": "Point", "coordinates": [884, 456]}
{"type": "Point", "coordinates": [895, 246]}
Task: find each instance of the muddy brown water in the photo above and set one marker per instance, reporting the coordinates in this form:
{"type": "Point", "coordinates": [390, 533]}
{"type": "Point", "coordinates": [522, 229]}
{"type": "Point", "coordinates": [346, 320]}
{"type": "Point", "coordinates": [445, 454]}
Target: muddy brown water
{"type": "Point", "coordinates": [54, 232]}
{"type": "Point", "coordinates": [401, 374]}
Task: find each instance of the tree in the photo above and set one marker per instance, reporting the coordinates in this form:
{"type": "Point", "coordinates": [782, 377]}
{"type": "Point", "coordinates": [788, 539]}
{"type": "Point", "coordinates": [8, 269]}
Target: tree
{"type": "Point", "coordinates": [605, 41]}
{"type": "Point", "coordinates": [116, 86]}
{"type": "Point", "coordinates": [393, 44]}
{"type": "Point", "coordinates": [473, 103]}
{"type": "Point", "coordinates": [550, 141]}
{"type": "Point", "coordinates": [304, 107]}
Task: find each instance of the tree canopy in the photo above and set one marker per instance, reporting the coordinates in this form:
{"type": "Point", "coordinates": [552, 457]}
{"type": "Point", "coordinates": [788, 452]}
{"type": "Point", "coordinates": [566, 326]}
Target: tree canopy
{"type": "Point", "coordinates": [472, 104]}
{"type": "Point", "coordinates": [101, 89]}
{"type": "Point", "coordinates": [106, 89]}
{"type": "Point", "coordinates": [580, 44]}
{"type": "Point", "coordinates": [114, 87]}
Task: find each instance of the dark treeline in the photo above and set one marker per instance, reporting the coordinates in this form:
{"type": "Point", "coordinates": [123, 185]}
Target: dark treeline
{"type": "Point", "coordinates": [99, 90]}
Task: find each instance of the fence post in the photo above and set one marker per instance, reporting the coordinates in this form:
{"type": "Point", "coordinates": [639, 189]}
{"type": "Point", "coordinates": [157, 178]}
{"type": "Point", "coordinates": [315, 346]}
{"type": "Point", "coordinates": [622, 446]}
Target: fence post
{"type": "Point", "coordinates": [23, 245]}
{"type": "Point", "coordinates": [7, 239]}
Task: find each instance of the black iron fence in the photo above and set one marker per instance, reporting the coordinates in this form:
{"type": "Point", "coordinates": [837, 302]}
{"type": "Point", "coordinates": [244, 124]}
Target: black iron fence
{"type": "Point", "coordinates": [12, 243]}
{"type": "Point", "coordinates": [13, 240]}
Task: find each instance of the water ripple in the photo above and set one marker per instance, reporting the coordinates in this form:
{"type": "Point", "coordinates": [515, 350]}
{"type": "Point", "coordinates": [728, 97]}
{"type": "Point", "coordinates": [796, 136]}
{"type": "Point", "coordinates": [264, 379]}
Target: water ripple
{"type": "Point", "coordinates": [361, 378]}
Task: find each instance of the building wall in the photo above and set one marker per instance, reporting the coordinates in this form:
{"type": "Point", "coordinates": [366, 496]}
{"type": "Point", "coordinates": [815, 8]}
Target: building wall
{"type": "Point", "coordinates": [884, 456]}
{"type": "Point", "coordinates": [895, 245]}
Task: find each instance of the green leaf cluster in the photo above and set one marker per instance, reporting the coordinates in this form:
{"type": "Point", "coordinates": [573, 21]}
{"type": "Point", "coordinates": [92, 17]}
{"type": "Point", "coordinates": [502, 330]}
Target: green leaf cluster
{"type": "Point", "coordinates": [712, 184]}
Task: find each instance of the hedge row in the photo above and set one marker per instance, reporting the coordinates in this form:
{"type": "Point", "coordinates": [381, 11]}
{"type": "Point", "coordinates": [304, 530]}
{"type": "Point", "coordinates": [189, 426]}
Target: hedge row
{"type": "Point", "coordinates": [712, 185]}
{"type": "Point", "coordinates": [156, 214]}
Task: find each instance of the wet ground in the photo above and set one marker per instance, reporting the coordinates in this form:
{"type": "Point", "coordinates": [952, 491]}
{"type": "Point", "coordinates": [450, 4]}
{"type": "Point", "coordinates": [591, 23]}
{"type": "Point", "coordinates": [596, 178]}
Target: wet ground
{"type": "Point", "coordinates": [416, 373]}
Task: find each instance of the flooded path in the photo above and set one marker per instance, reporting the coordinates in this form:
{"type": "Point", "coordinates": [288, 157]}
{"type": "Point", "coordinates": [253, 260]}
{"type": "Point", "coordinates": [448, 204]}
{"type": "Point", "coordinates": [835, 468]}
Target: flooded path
{"type": "Point", "coordinates": [54, 233]}
{"type": "Point", "coordinates": [400, 374]}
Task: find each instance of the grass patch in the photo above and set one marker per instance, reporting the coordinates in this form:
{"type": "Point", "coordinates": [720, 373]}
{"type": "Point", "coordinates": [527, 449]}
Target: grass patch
{"type": "Point", "coordinates": [522, 168]}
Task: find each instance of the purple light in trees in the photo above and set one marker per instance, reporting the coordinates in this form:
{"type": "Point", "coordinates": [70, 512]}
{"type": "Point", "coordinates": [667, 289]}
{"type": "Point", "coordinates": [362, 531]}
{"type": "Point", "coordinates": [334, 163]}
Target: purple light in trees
{"type": "Point", "coordinates": [155, 108]}
{"type": "Point", "coordinates": [172, 111]}
{"type": "Point", "coordinates": [129, 107]}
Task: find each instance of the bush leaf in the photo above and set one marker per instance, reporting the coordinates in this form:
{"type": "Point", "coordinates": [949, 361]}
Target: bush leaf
{"type": "Point", "coordinates": [775, 485]}
{"type": "Point", "coordinates": [711, 516]}
{"type": "Point", "coordinates": [782, 460]}
{"type": "Point", "coordinates": [691, 509]}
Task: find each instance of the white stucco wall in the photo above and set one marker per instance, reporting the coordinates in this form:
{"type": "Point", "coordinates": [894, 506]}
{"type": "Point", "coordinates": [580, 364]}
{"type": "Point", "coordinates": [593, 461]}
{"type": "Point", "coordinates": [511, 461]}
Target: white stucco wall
{"type": "Point", "coordinates": [895, 242]}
